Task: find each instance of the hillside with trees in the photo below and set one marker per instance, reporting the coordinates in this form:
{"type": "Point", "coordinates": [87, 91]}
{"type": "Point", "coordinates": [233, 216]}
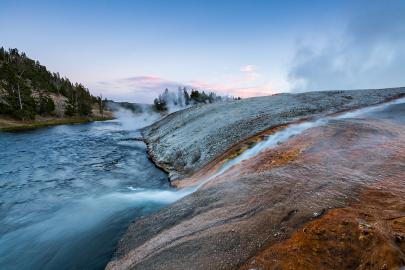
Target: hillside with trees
{"type": "Point", "coordinates": [28, 89]}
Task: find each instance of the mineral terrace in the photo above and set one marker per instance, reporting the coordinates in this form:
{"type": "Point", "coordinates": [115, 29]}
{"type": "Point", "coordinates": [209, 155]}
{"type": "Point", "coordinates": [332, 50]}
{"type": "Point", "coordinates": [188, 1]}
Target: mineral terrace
{"type": "Point", "coordinates": [328, 198]}
{"type": "Point", "coordinates": [187, 140]}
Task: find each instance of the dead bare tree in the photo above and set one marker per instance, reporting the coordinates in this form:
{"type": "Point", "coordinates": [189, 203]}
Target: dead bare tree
{"type": "Point", "coordinates": [19, 96]}
{"type": "Point", "coordinates": [19, 91]}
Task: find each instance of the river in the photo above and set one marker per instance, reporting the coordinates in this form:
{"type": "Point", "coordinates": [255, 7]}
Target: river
{"type": "Point", "coordinates": [68, 193]}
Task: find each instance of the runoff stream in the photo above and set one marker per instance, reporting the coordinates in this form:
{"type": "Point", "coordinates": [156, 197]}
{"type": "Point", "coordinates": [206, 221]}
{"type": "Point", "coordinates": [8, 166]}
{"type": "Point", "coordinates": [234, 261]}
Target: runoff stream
{"type": "Point", "coordinates": [68, 193]}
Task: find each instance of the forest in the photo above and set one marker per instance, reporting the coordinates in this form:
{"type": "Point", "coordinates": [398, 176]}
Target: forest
{"type": "Point", "coordinates": [28, 89]}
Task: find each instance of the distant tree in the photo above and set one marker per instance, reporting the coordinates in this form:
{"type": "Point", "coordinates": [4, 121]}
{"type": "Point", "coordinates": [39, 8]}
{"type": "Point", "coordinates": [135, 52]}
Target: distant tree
{"type": "Point", "coordinates": [45, 105]}
{"type": "Point", "coordinates": [203, 97]}
{"type": "Point", "coordinates": [84, 100]}
{"type": "Point", "coordinates": [186, 96]}
{"type": "Point", "coordinates": [194, 95]}
{"type": "Point", "coordinates": [212, 97]}
{"type": "Point", "coordinates": [101, 104]}
{"type": "Point", "coordinates": [160, 103]}
{"type": "Point", "coordinates": [71, 105]}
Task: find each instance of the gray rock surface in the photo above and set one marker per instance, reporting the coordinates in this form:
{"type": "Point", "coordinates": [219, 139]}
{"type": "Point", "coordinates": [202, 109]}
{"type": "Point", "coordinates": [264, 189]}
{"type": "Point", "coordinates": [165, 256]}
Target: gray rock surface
{"type": "Point", "coordinates": [185, 141]}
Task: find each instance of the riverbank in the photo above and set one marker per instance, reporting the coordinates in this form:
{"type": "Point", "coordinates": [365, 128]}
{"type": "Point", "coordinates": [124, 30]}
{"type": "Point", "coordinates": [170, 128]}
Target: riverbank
{"type": "Point", "coordinates": [9, 124]}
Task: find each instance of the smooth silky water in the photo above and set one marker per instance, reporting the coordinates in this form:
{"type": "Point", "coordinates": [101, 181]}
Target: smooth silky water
{"type": "Point", "coordinates": [68, 193]}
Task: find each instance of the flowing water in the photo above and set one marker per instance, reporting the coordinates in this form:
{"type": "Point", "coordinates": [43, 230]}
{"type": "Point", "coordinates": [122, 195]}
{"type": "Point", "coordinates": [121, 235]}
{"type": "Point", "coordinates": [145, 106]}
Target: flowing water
{"type": "Point", "coordinates": [393, 110]}
{"type": "Point", "coordinates": [67, 194]}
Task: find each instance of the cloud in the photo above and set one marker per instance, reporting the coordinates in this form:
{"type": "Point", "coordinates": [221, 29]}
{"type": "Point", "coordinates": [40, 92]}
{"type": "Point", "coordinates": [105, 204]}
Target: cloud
{"type": "Point", "coordinates": [248, 68]}
{"type": "Point", "coordinates": [245, 92]}
{"type": "Point", "coordinates": [148, 83]}
{"type": "Point", "coordinates": [234, 88]}
{"type": "Point", "coordinates": [369, 54]}
{"type": "Point", "coordinates": [143, 89]}
{"type": "Point", "coordinates": [250, 74]}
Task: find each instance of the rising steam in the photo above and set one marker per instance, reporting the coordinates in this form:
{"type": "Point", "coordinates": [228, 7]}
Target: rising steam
{"type": "Point", "coordinates": [271, 141]}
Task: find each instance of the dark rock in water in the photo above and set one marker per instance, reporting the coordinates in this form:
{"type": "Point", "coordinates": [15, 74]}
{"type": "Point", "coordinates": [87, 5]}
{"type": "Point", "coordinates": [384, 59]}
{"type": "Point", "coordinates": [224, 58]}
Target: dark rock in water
{"type": "Point", "coordinates": [139, 139]}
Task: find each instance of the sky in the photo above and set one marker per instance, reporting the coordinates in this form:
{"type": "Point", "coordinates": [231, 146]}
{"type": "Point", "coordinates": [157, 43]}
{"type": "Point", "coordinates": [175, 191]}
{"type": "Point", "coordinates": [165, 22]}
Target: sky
{"type": "Point", "coordinates": [133, 50]}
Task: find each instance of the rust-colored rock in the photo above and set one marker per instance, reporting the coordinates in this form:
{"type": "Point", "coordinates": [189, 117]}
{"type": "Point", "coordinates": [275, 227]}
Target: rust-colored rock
{"type": "Point", "coordinates": [367, 235]}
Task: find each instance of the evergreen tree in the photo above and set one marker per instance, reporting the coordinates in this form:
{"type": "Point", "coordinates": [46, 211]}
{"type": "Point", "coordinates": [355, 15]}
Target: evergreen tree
{"type": "Point", "coordinates": [20, 77]}
{"type": "Point", "coordinates": [101, 104]}
{"type": "Point", "coordinates": [186, 96]}
{"type": "Point", "coordinates": [46, 106]}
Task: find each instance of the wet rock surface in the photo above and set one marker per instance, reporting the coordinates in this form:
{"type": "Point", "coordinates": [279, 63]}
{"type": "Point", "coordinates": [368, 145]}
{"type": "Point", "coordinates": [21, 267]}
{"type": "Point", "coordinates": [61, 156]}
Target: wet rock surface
{"type": "Point", "coordinates": [331, 194]}
{"type": "Point", "coordinates": [369, 234]}
{"type": "Point", "coordinates": [186, 141]}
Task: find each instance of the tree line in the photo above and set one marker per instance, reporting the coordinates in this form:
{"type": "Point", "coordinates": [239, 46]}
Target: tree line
{"type": "Point", "coordinates": [27, 89]}
{"type": "Point", "coordinates": [167, 100]}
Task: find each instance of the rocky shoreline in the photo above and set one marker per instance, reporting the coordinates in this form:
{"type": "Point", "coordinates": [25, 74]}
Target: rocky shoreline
{"type": "Point", "coordinates": [283, 202]}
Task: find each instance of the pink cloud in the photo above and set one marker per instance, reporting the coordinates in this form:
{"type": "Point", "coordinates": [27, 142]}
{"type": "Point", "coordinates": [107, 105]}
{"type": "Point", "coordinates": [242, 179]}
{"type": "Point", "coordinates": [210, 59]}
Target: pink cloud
{"type": "Point", "coordinates": [248, 68]}
{"type": "Point", "coordinates": [234, 90]}
{"type": "Point", "coordinates": [144, 89]}
{"type": "Point", "coordinates": [253, 92]}
{"type": "Point", "coordinates": [148, 83]}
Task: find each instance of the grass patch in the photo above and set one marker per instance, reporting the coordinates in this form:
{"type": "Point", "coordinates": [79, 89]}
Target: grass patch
{"type": "Point", "coordinates": [14, 125]}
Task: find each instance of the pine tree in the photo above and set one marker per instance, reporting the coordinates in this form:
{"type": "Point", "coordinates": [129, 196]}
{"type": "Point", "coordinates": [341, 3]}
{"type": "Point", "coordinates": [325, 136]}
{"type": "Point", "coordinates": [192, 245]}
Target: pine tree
{"type": "Point", "coordinates": [186, 96]}
{"type": "Point", "coordinates": [20, 76]}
